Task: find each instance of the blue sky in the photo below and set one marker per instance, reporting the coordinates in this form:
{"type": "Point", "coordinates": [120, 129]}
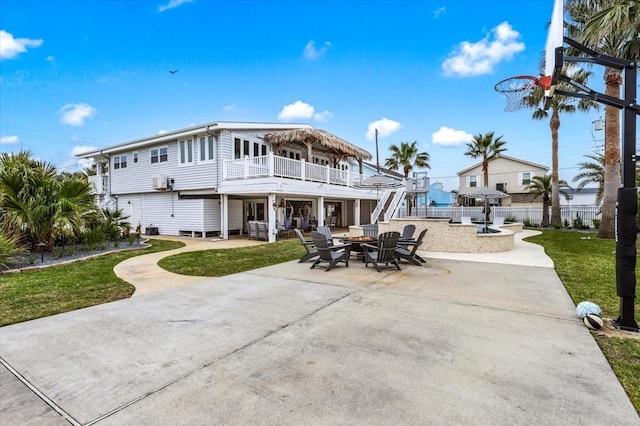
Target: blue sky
{"type": "Point", "coordinates": [79, 75]}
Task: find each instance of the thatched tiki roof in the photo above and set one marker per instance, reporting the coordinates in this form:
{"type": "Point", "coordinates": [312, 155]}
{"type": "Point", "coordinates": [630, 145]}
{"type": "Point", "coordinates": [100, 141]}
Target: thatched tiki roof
{"type": "Point", "coordinates": [320, 140]}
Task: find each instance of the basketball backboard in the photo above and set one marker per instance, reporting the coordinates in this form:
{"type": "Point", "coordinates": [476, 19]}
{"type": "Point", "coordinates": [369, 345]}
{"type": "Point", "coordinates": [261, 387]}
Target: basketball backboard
{"type": "Point", "coordinates": [554, 50]}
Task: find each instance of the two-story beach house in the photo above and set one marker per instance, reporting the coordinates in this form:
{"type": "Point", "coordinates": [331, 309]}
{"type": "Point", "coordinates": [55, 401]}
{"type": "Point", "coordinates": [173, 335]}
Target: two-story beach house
{"type": "Point", "coordinates": [212, 179]}
{"type": "Point", "coordinates": [506, 174]}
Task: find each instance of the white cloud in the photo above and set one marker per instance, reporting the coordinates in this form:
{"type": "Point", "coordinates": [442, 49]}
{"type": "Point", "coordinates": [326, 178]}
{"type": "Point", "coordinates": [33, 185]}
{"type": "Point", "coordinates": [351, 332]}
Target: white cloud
{"type": "Point", "coordinates": [81, 162]}
{"type": "Point", "coordinates": [162, 132]}
{"type": "Point", "coordinates": [11, 47]}
{"type": "Point", "coordinates": [9, 140]}
{"type": "Point", "coordinates": [310, 51]}
{"type": "Point", "coordinates": [172, 4]}
{"type": "Point", "coordinates": [385, 127]}
{"type": "Point", "coordinates": [479, 58]}
{"type": "Point", "coordinates": [50, 59]}
{"type": "Point", "coordinates": [230, 107]}
{"type": "Point", "coordinates": [81, 149]}
{"type": "Point", "coordinates": [446, 136]}
{"type": "Point", "coordinates": [322, 117]}
{"type": "Point", "coordinates": [302, 111]}
{"type": "Point", "coordinates": [438, 12]}
{"type": "Point", "coordinates": [76, 114]}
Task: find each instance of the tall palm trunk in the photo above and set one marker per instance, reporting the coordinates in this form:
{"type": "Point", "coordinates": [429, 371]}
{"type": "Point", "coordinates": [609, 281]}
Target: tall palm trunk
{"type": "Point", "coordinates": [612, 179]}
{"type": "Point", "coordinates": [554, 124]}
{"type": "Point", "coordinates": [545, 210]}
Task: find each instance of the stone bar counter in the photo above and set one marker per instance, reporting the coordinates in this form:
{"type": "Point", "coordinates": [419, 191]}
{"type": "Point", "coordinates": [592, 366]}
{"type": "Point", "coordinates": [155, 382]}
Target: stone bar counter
{"type": "Point", "coordinates": [452, 237]}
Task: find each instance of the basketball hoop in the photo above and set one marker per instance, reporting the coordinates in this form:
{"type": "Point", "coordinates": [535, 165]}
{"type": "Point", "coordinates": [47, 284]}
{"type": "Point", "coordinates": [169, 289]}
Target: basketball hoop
{"type": "Point", "coordinates": [515, 89]}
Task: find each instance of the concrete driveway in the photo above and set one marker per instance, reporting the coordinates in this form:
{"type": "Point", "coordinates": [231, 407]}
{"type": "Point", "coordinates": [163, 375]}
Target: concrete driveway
{"type": "Point", "coordinates": [455, 342]}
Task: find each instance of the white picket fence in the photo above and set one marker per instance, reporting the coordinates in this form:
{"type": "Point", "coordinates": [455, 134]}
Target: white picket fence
{"type": "Point", "coordinates": [531, 215]}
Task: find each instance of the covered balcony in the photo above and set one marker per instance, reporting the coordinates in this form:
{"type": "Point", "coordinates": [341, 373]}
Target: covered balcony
{"type": "Point", "coordinates": [274, 166]}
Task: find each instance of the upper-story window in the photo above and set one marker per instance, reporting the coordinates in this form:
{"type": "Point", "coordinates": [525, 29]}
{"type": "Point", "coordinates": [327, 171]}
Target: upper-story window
{"type": "Point", "coordinates": [159, 155]}
{"type": "Point", "coordinates": [119, 162]}
{"type": "Point", "coordinates": [135, 158]}
{"type": "Point", "coordinates": [472, 181]}
{"type": "Point", "coordinates": [185, 149]}
{"type": "Point", "coordinates": [206, 148]}
{"type": "Point", "coordinates": [525, 178]}
{"type": "Point", "coordinates": [245, 148]}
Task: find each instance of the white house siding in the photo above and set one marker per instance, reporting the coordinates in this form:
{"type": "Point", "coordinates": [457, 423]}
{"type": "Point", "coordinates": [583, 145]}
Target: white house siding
{"type": "Point", "coordinates": [211, 215]}
{"type": "Point", "coordinates": [138, 177]}
{"type": "Point", "coordinates": [236, 215]}
{"type": "Point", "coordinates": [171, 214]}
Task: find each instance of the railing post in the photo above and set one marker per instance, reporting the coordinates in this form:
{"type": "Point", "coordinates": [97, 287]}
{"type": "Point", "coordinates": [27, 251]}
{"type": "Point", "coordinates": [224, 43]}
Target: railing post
{"type": "Point", "coordinates": [328, 174]}
{"type": "Point", "coordinates": [224, 169]}
{"type": "Point", "coordinates": [271, 163]}
{"type": "Point", "coordinates": [246, 166]}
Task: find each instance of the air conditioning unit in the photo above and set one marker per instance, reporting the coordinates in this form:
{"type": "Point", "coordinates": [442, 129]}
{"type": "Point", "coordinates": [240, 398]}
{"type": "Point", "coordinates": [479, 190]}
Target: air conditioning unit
{"type": "Point", "coordinates": [501, 187]}
{"type": "Point", "coordinates": [160, 182]}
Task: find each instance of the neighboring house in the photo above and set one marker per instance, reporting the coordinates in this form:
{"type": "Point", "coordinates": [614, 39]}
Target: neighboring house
{"type": "Point", "coordinates": [213, 178]}
{"type": "Point", "coordinates": [507, 174]}
{"type": "Point", "coordinates": [438, 197]}
{"type": "Point", "coordinates": [579, 197]}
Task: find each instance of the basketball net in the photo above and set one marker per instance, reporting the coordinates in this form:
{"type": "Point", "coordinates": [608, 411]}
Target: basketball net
{"type": "Point", "coordinates": [516, 90]}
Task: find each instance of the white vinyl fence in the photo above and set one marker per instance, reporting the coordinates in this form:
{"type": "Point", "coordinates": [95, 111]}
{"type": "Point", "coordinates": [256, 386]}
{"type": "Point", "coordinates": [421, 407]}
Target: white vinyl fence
{"type": "Point", "coordinates": [529, 215]}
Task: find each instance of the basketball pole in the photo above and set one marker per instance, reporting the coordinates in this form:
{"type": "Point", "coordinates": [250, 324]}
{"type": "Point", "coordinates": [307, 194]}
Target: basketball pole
{"type": "Point", "coordinates": [627, 205]}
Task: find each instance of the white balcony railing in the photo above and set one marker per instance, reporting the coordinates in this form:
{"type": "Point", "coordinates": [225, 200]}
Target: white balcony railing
{"type": "Point", "coordinates": [271, 165]}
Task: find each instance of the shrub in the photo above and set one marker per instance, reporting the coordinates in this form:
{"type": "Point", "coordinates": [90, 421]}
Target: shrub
{"type": "Point", "coordinates": [596, 223]}
{"type": "Point", "coordinates": [10, 248]}
{"type": "Point", "coordinates": [92, 237]}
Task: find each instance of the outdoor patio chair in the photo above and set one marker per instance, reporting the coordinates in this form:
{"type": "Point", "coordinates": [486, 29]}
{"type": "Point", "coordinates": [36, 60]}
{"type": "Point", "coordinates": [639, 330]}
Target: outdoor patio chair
{"type": "Point", "coordinates": [326, 231]}
{"type": "Point", "coordinates": [370, 230]}
{"type": "Point", "coordinates": [498, 221]}
{"type": "Point", "coordinates": [283, 230]}
{"type": "Point", "coordinates": [407, 250]}
{"type": "Point", "coordinates": [407, 232]}
{"type": "Point", "coordinates": [308, 245]}
{"type": "Point", "coordinates": [252, 229]}
{"type": "Point", "coordinates": [332, 222]}
{"type": "Point", "coordinates": [384, 252]}
{"type": "Point", "coordinates": [263, 231]}
{"type": "Point", "coordinates": [465, 220]}
{"type": "Point", "coordinates": [329, 254]}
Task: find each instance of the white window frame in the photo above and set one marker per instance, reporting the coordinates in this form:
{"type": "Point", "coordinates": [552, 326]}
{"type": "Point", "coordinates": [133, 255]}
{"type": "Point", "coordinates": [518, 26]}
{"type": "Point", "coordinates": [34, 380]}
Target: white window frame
{"type": "Point", "coordinates": [135, 157]}
{"type": "Point", "coordinates": [521, 178]}
{"type": "Point", "coordinates": [245, 147]}
{"type": "Point", "coordinates": [161, 155]}
{"type": "Point", "coordinates": [206, 149]}
{"type": "Point", "coordinates": [185, 152]}
{"type": "Point", "coordinates": [120, 162]}
{"type": "Point", "coordinates": [474, 182]}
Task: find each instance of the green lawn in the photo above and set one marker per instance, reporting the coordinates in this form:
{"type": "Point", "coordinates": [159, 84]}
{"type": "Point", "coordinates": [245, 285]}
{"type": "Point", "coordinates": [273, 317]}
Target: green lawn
{"type": "Point", "coordinates": [220, 262]}
{"type": "Point", "coordinates": [586, 266]}
{"type": "Point", "coordinates": [35, 294]}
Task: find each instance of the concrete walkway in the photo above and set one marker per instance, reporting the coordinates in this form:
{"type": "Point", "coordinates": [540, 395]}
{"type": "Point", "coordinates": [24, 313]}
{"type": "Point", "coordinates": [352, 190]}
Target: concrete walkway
{"type": "Point", "coordinates": [455, 342]}
{"type": "Point", "coordinates": [147, 277]}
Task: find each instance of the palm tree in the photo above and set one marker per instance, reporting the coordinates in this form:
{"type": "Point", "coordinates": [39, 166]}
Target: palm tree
{"type": "Point", "coordinates": [610, 27]}
{"type": "Point", "coordinates": [592, 172]}
{"type": "Point", "coordinates": [406, 157]}
{"type": "Point", "coordinates": [541, 186]}
{"type": "Point", "coordinates": [487, 148]}
{"type": "Point", "coordinates": [38, 198]}
{"type": "Point", "coordinates": [559, 104]}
